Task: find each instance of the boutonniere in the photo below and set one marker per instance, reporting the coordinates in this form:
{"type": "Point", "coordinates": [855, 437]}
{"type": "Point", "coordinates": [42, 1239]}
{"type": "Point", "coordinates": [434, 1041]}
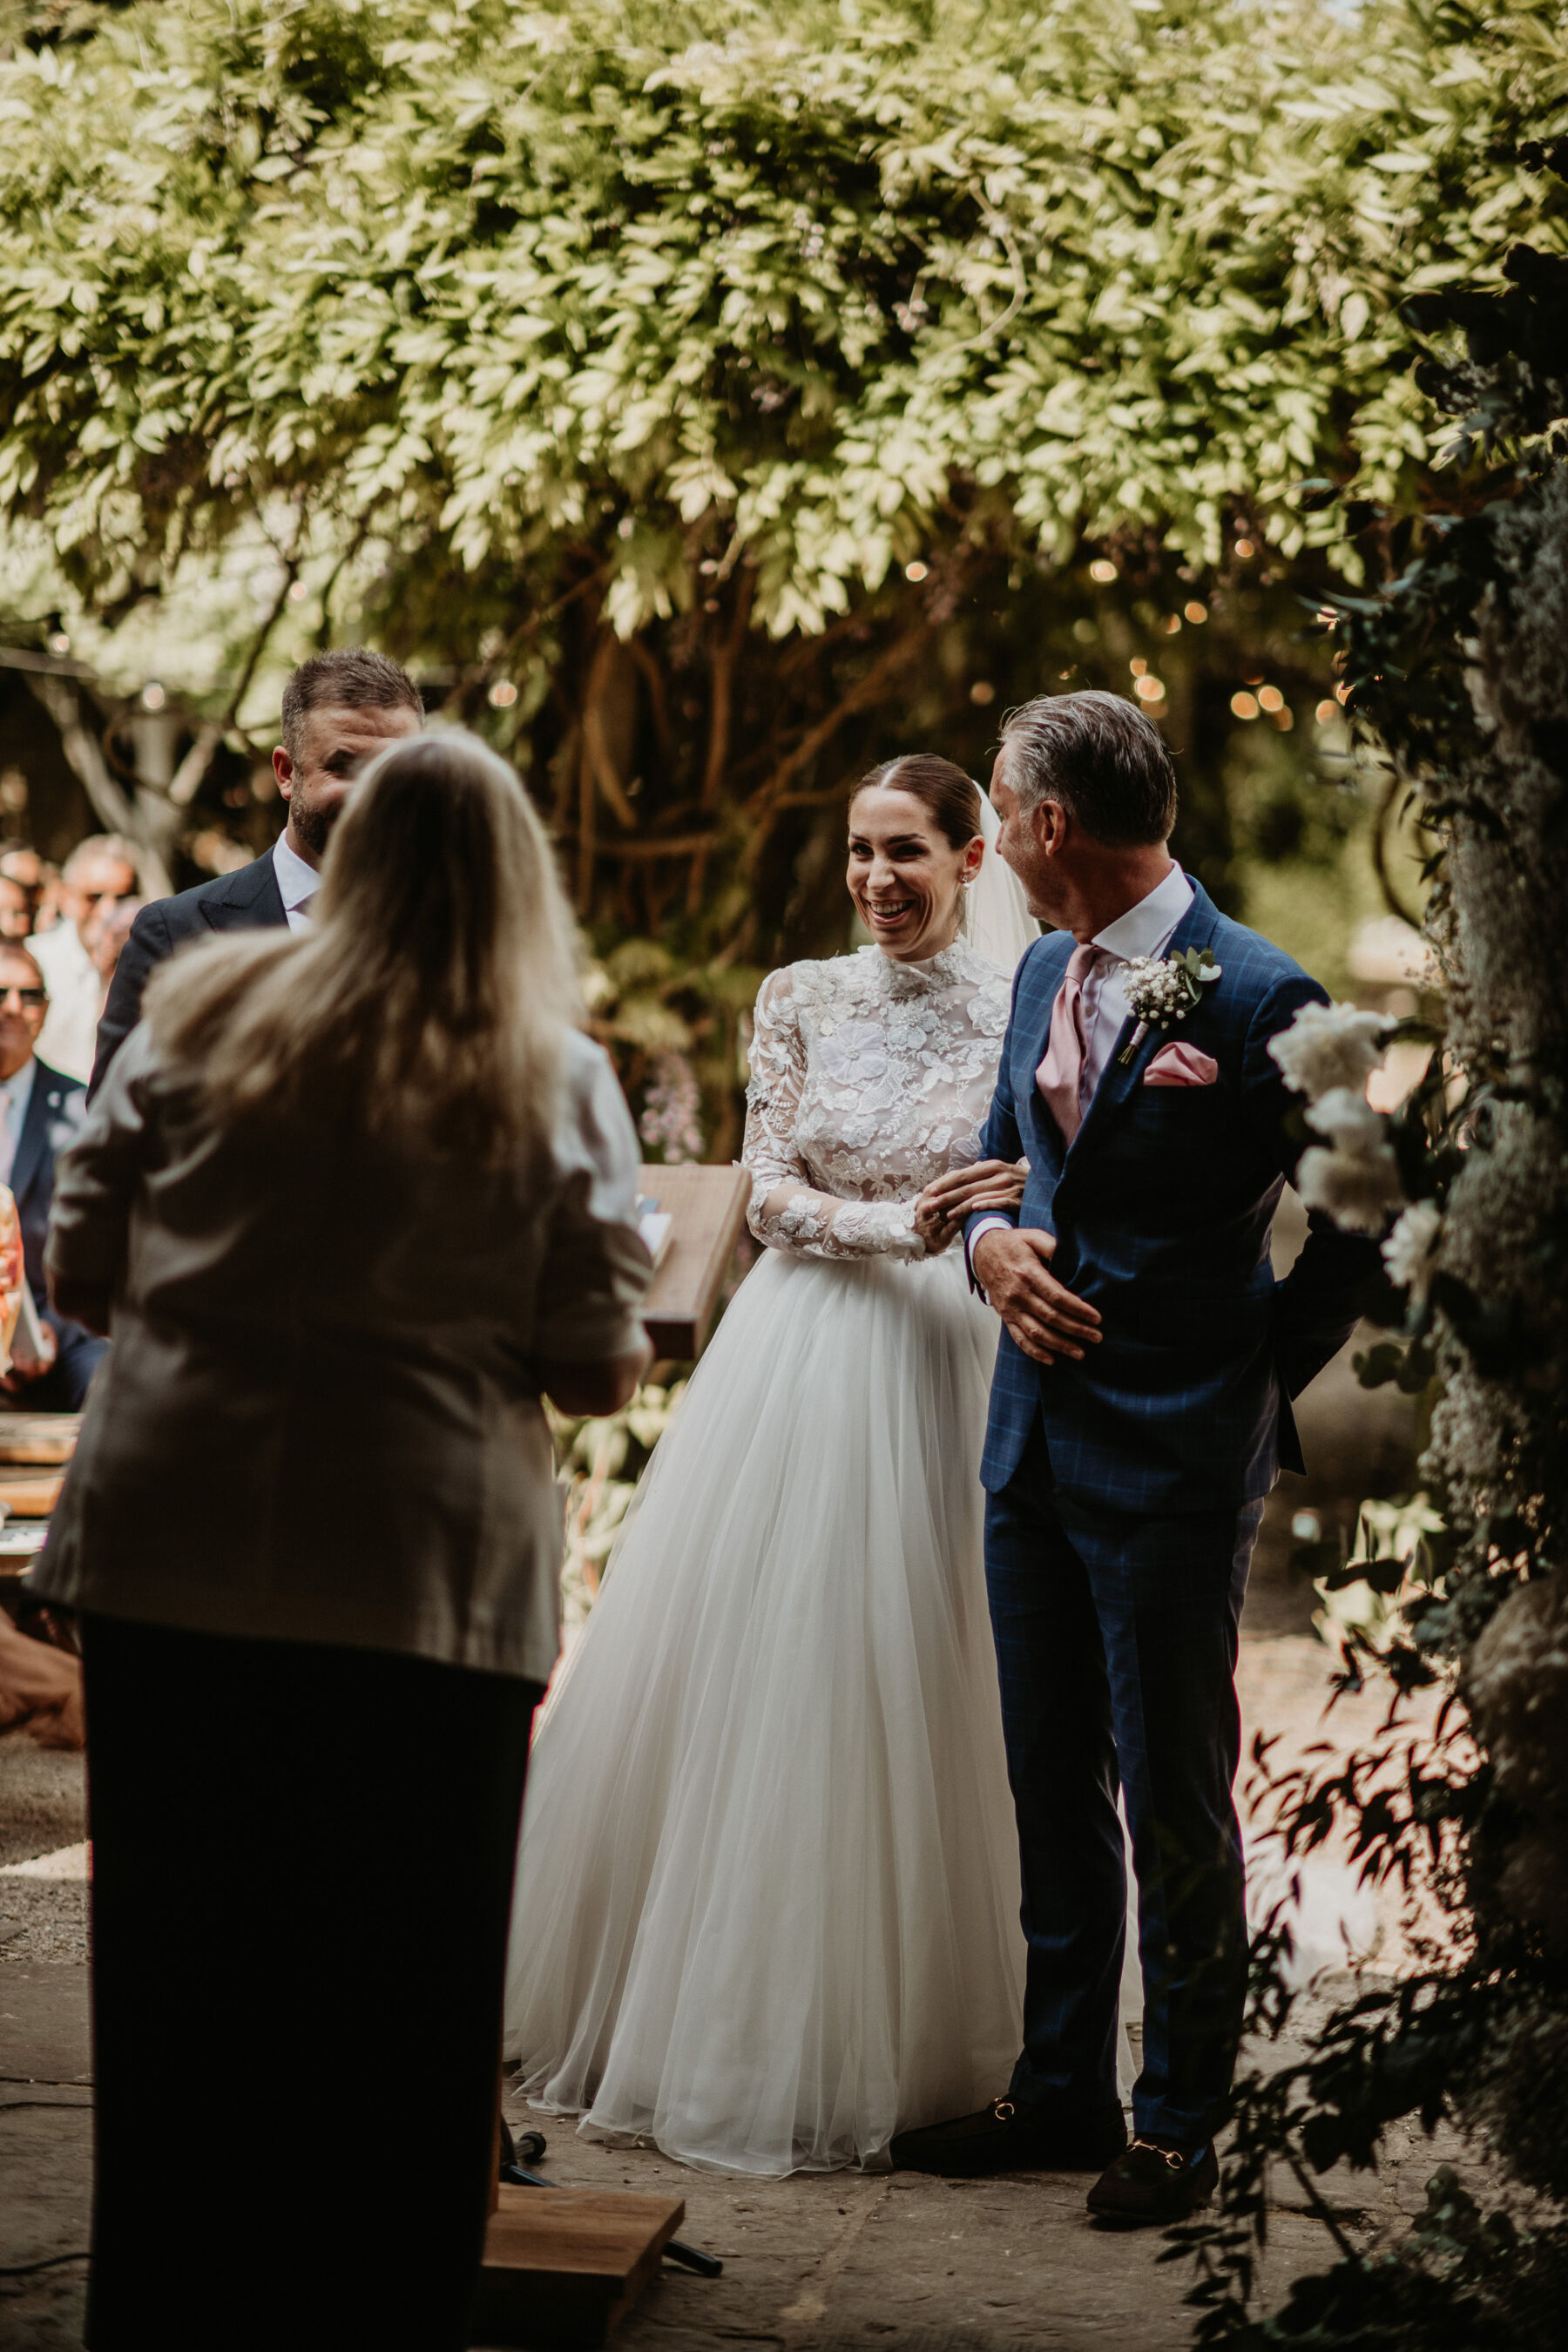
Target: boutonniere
{"type": "Point", "coordinates": [1160, 994]}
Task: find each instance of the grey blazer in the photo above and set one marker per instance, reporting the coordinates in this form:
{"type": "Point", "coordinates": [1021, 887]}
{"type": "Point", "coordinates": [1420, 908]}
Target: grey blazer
{"type": "Point", "coordinates": [319, 1418]}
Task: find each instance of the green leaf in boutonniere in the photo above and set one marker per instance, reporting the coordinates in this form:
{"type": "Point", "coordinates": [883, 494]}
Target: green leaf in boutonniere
{"type": "Point", "coordinates": [1162, 992]}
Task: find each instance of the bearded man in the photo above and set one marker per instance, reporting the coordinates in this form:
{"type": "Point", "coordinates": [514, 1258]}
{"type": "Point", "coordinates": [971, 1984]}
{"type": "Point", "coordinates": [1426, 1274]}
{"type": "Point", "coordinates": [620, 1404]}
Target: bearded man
{"type": "Point", "coordinates": [340, 709]}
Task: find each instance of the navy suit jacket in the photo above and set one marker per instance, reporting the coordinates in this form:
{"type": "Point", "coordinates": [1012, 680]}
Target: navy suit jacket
{"type": "Point", "coordinates": [56, 1109]}
{"type": "Point", "coordinates": [238, 901]}
{"type": "Point", "coordinates": [1161, 1211]}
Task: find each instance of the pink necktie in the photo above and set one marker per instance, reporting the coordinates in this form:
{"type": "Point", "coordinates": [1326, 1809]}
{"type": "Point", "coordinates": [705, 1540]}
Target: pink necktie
{"type": "Point", "coordinates": [1058, 1074]}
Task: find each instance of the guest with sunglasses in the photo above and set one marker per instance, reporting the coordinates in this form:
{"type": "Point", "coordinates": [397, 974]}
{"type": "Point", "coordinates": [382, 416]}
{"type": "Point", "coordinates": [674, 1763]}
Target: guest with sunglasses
{"type": "Point", "coordinates": [41, 1110]}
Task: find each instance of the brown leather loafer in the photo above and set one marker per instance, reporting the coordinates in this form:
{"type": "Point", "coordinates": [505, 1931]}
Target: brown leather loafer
{"type": "Point", "coordinates": [1153, 2184]}
{"type": "Point", "coordinates": [1001, 2139]}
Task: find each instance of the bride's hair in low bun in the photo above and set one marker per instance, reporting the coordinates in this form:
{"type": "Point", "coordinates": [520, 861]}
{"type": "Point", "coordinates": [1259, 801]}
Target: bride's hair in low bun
{"type": "Point", "coordinates": [948, 796]}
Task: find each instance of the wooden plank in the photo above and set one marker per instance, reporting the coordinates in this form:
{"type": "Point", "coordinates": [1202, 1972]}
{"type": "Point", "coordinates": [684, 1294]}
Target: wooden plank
{"type": "Point", "coordinates": [709, 1206]}
{"type": "Point", "coordinates": [30, 1494]}
{"type": "Point", "coordinates": [563, 2265]}
{"type": "Point", "coordinates": [39, 1436]}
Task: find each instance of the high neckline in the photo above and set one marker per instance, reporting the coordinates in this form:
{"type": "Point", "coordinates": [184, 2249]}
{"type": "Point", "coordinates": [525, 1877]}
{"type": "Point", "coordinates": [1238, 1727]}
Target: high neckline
{"type": "Point", "coordinates": [909, 974]}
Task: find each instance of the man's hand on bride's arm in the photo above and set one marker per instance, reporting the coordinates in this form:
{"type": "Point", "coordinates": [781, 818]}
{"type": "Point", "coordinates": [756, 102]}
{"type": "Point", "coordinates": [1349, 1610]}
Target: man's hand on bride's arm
{"type": "Point", "coordinates": [1012, 1266]}
{"type": "Point", "coordinates": [943, 1207]}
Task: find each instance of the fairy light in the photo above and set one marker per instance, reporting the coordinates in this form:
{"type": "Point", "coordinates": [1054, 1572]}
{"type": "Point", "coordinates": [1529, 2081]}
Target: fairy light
{"type": "Point", "coordinates": [983, 692]}
{"type": "Point", "coordinates": [1149, 690]}
{"type": "Point", "coordinates": [1271, 698]}
{"type": "Point", "coordinates": [1102, 570]}
{"type": "Point", "coordinates": [1196, 612]}
{"type": "Point", "coordinates": [1136, 664]}
{"type": "Point", "coordinates": [1243, 704]}
{"type": "Point", "coordinates": [503, 694]}
{"type": "Point", "coordinates": [1326, 712]}
{"type": "Point", "coordinates": [152, 695]}
{"type": "Point", "coordinates": [916, 571]}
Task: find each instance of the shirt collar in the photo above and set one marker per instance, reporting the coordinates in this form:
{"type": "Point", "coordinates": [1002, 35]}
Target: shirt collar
{"type": "Point", "coordinates": [296, 880]}
{"type": "Point", "coordinates": [1145, 930]}
{"type": "Point", "coordinates": [19, 1087]}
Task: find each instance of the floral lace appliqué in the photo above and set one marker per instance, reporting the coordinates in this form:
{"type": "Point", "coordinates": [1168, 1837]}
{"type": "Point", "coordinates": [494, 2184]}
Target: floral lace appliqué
{"type": "Point", "coordinates": [868, 1078]}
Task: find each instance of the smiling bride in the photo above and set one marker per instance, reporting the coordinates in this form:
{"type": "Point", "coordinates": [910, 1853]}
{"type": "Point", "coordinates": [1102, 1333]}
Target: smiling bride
{"type": "Point", "coordinates": [767, 1902]}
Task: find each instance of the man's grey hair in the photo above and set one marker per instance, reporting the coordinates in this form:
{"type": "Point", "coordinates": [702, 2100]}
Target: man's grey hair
{"type": "Point", "coordinates": [1100, 759]}
{"type": "Point", "coordinates": [97, 845]}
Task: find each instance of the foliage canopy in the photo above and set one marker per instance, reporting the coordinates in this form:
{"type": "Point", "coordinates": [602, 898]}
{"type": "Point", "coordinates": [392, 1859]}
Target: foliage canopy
{"type": "Point", "coordinates": [711, 397]}
{"type": "Point", "coordinates": [491, 285]}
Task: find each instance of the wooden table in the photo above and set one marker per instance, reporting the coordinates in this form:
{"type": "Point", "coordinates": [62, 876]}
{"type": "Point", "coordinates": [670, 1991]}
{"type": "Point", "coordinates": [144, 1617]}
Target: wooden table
{"type": "Point", "coordinates": [709, 1206]}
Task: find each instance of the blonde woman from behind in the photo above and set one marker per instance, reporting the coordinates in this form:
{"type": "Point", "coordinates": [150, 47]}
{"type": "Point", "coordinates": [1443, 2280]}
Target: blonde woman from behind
{"type": "Point", "coordinates": [346, 1201]}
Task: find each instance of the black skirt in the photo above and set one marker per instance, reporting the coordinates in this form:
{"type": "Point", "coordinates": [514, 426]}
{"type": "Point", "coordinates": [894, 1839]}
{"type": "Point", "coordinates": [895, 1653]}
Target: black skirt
{"type": "Point", "coordinates": [302, 1866]}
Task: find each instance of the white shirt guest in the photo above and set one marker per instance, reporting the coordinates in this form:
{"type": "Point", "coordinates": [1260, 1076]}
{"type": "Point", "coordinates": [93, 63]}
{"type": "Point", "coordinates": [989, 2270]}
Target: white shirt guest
{"type": "Point", "coordinates": [101, 868]}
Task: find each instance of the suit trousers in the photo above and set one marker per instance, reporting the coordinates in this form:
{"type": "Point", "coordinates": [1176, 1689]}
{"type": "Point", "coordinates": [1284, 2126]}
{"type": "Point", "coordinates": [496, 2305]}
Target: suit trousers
{"type": "Point", "coordinates": [1116, 1642]}
{"type": "Point", "coordinates": [302, 1864]}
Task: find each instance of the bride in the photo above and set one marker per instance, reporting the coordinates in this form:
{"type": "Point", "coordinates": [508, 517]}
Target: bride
{"type": "Point", "coordinates": [766, 1911]}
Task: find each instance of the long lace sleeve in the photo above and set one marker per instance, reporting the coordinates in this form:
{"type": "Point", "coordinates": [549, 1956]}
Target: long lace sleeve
{"type": "Point", "coordinates": [787, 1211]}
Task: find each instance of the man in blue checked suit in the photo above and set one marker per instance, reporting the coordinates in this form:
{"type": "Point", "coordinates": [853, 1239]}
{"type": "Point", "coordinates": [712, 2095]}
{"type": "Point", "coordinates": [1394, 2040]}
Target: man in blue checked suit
{"type": "Point", "coordinates": [1140, 1412]}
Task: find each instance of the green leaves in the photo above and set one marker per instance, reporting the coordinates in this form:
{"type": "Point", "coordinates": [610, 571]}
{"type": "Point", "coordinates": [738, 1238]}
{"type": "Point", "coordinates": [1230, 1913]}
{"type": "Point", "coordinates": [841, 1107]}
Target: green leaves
{"type": "Point", "coordinates": [497, 280]}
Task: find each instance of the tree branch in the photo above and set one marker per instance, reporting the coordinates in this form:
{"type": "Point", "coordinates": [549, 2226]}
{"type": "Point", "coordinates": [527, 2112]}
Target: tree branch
{"type": "Point", "coordinates": [61, 699]}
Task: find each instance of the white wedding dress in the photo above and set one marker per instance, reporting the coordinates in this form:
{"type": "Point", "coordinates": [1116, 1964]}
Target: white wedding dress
{"type": "Point", "coordinates": [767, 1901]}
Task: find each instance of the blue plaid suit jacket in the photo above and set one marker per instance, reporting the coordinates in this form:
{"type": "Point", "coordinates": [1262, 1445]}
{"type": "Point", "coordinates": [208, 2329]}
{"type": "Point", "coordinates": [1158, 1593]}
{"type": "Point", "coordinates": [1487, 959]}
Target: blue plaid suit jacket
{"type": "Point", "coordinates": [1161, 1211]}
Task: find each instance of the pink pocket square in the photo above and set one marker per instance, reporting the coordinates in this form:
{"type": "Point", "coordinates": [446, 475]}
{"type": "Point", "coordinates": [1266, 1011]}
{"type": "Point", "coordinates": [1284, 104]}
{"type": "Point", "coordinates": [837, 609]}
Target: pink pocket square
{"type": "Point", "coordinates": [1181, 1066]}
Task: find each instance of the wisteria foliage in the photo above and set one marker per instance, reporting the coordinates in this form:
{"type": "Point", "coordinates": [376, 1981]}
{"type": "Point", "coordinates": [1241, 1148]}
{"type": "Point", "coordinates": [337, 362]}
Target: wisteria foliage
{"type": "Point", "coordinates": [487, 284]}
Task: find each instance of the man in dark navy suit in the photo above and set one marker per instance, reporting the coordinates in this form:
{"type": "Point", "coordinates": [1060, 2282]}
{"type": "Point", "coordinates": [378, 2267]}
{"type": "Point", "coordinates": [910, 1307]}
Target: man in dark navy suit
{"type": "Point", "coordinates": [340, 708]}
{"type": "Point", "coordinates": [1140, 1412]}
{"type": "Point", "coordinates": [40, 1111]}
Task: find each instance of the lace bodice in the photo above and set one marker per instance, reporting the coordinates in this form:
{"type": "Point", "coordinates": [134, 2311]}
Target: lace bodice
{"type": "Point", "coordinates": [868, 1078]}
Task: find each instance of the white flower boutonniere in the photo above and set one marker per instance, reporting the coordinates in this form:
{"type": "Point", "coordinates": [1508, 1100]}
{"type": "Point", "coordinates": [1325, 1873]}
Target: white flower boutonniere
{"type": "Point", "coordinates": [1160, 994]}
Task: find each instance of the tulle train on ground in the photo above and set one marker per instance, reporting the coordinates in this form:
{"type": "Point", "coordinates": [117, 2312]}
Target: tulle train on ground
{"type": "Point", "coordinates": [767, 1903]}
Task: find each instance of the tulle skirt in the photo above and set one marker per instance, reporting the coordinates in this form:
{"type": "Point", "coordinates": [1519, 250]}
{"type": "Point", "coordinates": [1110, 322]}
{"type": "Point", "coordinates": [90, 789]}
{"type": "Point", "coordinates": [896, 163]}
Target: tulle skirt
{"type": "Point", "coordinates": [767, 1902]}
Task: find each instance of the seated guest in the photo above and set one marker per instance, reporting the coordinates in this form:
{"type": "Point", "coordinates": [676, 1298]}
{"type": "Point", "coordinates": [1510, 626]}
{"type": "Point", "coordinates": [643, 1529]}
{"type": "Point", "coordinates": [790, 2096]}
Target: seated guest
{"type": "Point", "coordinates": [15, 908]}
{"type": "Point", "coordinates": [340, 708]}
{"type": "Point", "coordinates": [103, 867]}
{"type": "Point", "coordinates": [349, 1201]}
{"type": "Point", "coordinates": [40, 1112]}
{"type": "Point", "coordinates": [106, 936]}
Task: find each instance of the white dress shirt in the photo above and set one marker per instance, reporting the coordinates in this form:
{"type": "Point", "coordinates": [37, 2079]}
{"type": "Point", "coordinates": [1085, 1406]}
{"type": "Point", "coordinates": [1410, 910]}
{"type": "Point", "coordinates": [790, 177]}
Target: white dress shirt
{"type": "Point", "coordinates": [297, 883]}
{"type": "Point", "coordinates": [68, 1038]}
{"type": "Point", "coordinates": [1145, 930]}
{"type": "Point", "coordinates": [16, 1094]}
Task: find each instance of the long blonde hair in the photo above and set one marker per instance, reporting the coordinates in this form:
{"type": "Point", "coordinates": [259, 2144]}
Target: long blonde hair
{"type": "Point", "coordinates": [428, 1004]}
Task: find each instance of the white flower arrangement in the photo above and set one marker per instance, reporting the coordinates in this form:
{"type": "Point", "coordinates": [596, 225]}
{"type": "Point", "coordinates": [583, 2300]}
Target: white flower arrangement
{"type": "Point", "coordinates": [1410, 1248]}
{"type": "Point", "coordinates": [1327, 1054]}
{"type": "Point", "coordinates": [1162, 991]}
{"type": "Point", "coordinates": [1356, 1179]}
{"type": "Point", "coordinates": [1330, 1046]}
